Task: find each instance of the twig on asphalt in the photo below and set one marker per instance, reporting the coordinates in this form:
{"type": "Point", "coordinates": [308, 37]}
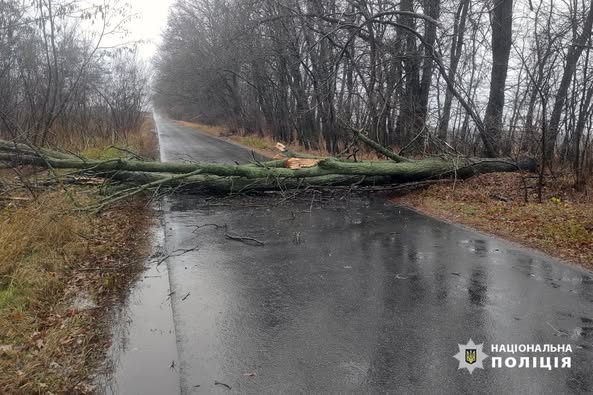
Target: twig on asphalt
{"type": "Point", "coordinates": [205, 225]}
{"type": "Point", "coordinates": [561, 333]}
{"type": "Point", "coordinates": [169, 295]}
{"type": "Point", "coordinates": [216, 382]}
{"type": "Point", "coordinates": [243, 239]}
{"type": "Point", "coordinates": [176, 253]}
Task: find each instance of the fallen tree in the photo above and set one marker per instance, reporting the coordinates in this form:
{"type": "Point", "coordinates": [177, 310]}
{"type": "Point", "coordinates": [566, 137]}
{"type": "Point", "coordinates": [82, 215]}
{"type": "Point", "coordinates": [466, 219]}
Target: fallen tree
{"type": "Point", "coordinates": [286, 173]}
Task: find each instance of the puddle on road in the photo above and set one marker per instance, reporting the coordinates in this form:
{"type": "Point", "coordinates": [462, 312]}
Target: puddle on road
{"type": "Point", "coordinates": [142, 358]}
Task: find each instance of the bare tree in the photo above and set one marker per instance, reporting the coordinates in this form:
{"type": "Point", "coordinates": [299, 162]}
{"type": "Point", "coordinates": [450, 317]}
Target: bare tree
{"type": "Point", "coordinates": [573, 54]}
{"type": "Point", "coordinates": [501, 21]}
{"type": "Point", "coordinates": [306, 70]}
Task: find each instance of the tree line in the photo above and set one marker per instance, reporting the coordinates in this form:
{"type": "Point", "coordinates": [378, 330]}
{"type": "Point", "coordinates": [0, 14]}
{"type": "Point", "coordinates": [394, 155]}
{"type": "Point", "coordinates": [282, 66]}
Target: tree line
{"type": "Point", "coordinates": [65, 77]}
{"type": "Point", "coordinates": [478, 78]}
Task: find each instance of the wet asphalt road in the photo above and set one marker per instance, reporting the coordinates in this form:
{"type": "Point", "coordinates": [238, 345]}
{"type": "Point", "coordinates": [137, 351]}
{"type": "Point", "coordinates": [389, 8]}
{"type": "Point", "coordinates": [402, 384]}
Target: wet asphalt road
{"type": "Point", "coordinates": [357, 296]}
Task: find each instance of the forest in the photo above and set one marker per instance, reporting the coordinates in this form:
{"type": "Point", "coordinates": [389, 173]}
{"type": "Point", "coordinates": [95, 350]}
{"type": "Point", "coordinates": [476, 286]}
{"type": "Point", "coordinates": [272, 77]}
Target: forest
{"type": "Point", "coordinates": [68, 76]}
{"type": "Point", "coordinates": [495, 78]}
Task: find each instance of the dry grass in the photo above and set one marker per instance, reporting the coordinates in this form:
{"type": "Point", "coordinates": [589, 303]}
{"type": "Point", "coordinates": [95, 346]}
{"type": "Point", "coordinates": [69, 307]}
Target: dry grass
{"type": "Point", "coordinates": [562, 225]}
{"type": "Point", "coordinates": [99, 135]}
{"type": "Point", "coordinates": [213, 130]}
{"type": "Point", "coordinates": [143, 142]}
{"type": "Point", "coordinates": [51, 253]}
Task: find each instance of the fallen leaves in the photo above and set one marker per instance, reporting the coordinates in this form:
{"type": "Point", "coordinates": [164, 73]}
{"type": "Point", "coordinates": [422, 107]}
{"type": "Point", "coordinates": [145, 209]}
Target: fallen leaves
{"type": "Point", "coordinates": [6, 349]}
{"type": "Point", "coordinates": [76, 265]}
{"type": "Point", "coordinates": [561, 226]}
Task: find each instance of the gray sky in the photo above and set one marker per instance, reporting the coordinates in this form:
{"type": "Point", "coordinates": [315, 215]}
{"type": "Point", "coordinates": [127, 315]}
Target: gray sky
{"type": "Point", "coordinates": [151, 21]}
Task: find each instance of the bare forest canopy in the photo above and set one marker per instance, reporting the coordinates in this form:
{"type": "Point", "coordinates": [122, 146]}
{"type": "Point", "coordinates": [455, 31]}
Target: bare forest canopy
{"type": "Point", "coordinates": [487, 77]}
{"type": "Point", "coordinates": [66, 79]}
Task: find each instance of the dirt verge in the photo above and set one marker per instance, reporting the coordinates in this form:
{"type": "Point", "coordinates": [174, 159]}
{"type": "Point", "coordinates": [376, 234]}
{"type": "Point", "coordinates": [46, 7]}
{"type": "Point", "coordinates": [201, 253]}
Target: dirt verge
{"type": "Point", "coordinates": [61, 268]}
{"type": "Point", "coordinates": [561, 226]}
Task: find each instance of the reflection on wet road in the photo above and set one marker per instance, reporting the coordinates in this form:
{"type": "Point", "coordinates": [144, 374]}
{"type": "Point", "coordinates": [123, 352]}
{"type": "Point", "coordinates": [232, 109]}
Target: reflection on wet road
{"type": "Point", "coordinates": [369, 297]}
{"type": "Point", "coordinates": [357, 295]}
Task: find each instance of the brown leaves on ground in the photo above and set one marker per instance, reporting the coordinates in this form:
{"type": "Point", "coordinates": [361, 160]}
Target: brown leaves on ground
{"type": "Point", "coordinates": [60, 268]}
{"type": "Point", "coordinates": [562, 225]}
{"type": "Point", "coordinates": [51, 255]}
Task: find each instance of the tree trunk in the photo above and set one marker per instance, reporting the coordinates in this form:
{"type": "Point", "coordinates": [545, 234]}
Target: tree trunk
{"type": "Point", "coordinates": [277, 174]}
{"type": "Point", "coordinates": [433, 9]}
{"type": "Point", "coordinates": [456, 47]}
{"type": "Point", "coordinates": [502, 24]}
{"type": "Point", "coordinates": [409, 121]}
{"type": "Point", "coordinates": [572, 57]}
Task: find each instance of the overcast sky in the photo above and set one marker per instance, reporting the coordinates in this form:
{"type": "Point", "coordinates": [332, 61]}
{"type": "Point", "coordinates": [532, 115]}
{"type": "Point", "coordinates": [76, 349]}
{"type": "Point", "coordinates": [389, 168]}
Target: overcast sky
{"type": "Point", "coordinates": [151, 21]}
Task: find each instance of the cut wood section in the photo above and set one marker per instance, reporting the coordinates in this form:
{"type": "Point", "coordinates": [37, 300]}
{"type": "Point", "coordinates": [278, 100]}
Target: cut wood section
{"type": "Point", "coordinates": [300, 163]}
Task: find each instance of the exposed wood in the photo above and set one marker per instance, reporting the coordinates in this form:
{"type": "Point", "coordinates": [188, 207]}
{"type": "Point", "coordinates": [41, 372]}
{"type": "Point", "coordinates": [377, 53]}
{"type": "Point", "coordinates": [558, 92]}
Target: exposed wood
{"type": "Point", "coordinates": [300, 163]}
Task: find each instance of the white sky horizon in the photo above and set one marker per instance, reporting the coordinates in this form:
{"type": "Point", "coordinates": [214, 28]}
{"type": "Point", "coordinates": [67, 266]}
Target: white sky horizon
{"type": "Point", "coordinates": [148, 25]}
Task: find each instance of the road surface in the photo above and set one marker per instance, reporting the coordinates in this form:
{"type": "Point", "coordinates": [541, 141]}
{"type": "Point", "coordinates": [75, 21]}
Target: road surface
{"type": "Point", "coordinates": [355, 295]}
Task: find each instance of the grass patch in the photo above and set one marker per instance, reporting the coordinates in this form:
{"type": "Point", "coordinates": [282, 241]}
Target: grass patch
{"type": "Point", "coordinates": [51, 254]}
{"type": "Point", "coordinates": [143, 142]}
{"type": "Point", "coordinates": [103, 153]}
{"type": "Point", "coordinates": [257, 142]}
{"type": "Point", "coordinates": [562, 225]}
{"type": "Point", "coordinates": [11, 297]}
{"type": "Point", "coordinates": [213, 130]}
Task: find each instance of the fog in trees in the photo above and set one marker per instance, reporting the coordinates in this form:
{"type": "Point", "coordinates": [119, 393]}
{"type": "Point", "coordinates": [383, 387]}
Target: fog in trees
{"type": "Point", "coordinates": [480, 78]}
{"type": "Point", "coordinates": [67, 73]}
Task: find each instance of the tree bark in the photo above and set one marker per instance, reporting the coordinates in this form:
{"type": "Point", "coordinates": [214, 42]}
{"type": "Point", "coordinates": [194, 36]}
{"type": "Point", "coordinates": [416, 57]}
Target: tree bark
{"type": "Point", "coordinates": [263, 175]}
{"type": "Point", "coordinates": [502, 24]}
{"type": "Point", "coordinates": [572, 57]}
{"type": "Point", "coordinates": [433, 9]}
{"type": "Point", "coordinates": [456, 48]}
{"type": "Point", "coordinates": [410, 119]}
